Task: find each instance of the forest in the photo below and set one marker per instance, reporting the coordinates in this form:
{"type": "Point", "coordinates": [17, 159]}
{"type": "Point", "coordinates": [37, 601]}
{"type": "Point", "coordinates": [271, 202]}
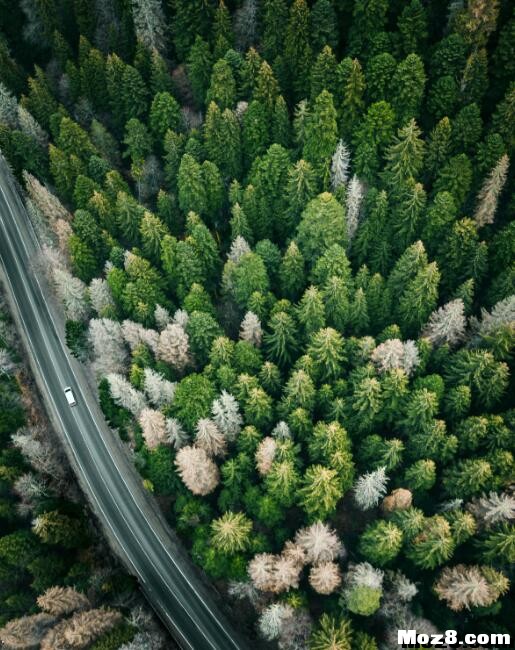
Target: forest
{"type": "Point", "coordinates": [282, 236]}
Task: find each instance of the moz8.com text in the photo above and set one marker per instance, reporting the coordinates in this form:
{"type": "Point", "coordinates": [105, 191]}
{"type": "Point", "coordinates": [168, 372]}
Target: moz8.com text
{"type": "Point", "coordinates": [450, 639]}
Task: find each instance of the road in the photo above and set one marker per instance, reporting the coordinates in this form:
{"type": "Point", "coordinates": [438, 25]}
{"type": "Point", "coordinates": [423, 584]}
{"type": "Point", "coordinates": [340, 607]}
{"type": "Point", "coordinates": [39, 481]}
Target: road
{"type": "Point", "coordinates": [146, 546]}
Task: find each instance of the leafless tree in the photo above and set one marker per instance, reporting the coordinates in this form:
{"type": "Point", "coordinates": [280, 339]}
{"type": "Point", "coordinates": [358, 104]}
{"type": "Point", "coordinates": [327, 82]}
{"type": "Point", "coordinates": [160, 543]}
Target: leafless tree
{"type": "Point", "coordinates": [198, 472]}
{"type": "Point", "coordinates": [153, 425]}
{"type": "Point", "coordinates": [125, 395]}
{"type": "Point", "coordinates": [60, 601]}
{"type": "Point", "coordinates": [108, 345]}
{"type": "Point", "coordinates": [25, 632]}
{"type": "Point", "coordinates": [325, 577]}
{"type": "Point", "coordinates": [319, 542]}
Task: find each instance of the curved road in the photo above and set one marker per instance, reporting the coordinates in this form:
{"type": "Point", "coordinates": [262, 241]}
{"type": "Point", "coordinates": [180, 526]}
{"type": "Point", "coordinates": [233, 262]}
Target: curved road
{"type": "Point", "coordinates": [134, 528]}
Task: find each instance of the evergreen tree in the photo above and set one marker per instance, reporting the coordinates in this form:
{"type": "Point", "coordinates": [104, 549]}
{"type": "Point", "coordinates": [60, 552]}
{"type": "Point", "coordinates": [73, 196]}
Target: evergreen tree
{"type": "Point", "coordinates": [381, 542]}
{"type": "Point", "coordinates": [320, 492]}
{"type": "Point", "coordinates": [222, 88]}
{"type": "Point", "coordinates": [324, 73]}
{"type": "Point", "coordinates": [322, 225]}
{"type": "Point", "coordinates": [297, 49]}
{"type": "Point", "coordinates": [404, 157]}
{"type": "Point", "coordinates": [321, 136]}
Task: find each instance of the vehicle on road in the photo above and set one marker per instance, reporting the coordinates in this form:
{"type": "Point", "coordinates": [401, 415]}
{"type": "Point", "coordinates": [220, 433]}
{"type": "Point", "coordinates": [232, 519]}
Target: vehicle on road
{"type": "Point", "coordinates": [70, 396]}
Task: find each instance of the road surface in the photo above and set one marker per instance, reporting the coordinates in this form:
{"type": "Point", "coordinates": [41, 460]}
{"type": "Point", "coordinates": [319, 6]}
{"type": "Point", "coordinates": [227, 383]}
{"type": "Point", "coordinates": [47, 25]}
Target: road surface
{"type": "Point", "coordinates": [148, 549]}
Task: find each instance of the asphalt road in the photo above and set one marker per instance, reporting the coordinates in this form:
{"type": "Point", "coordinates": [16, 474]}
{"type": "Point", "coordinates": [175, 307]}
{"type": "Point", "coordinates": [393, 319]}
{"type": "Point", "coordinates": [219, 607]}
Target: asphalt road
{"type": "Point", "coordinates": [148, 549]}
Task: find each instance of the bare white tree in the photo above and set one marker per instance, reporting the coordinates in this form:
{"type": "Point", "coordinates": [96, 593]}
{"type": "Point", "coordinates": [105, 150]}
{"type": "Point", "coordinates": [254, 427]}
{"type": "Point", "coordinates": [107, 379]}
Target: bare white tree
{"type": "Point", "coordinates": [251, 330]}
{"type": "Point", "coordinates": [489, 195]}
{"type": "Point", "coordinates": [272, 620]}
{"type": "Point", "coordinates": [364, 575]}
{"type": "Point", "coordinates": [446, 324]}
{"type": "Point", "coordinates": [181, 318]}
{"type": "Point", "coordinates": [30, 487]}
{"type": "Point", "coordinates": [159, 390]}
{"type": "Point", "coordinates": [153, 426]}
{"type": "Point", "coordinates": [319, 542]}
{"type": "Point", "coordinates": [463, 587]}
{"type": "Point", "coordinates": [370, 488]}
{"type": "Point", "coordinates": [173, 346]}
{"type": "Point", "coordinates": [325, 577]}
{"type": "Point", "coordinates": [7, 365]}
{"type": "Point", "coordinates": [261, 571]}
{"type": "Point", "coordinates": [175, 434]}
{"type": "Point", "coordinates": [503, 313]}
{"type": "Point", "coordinates": [72, 292]}
{"type": "Point", "coordinates": [494, 508]}
{"type": "Point", "coordinates": [63, 231]}
{"type": "Point", "coordinates": [59, 601]}
{"type": "Point", "coordinates": [355, 193]}
{"type": "Point", "coordinates": [242, 589]}
{"type": "Point", "coordinates": [286, 573]}
{"type": "Point", "coordinates": [393, 353]}
{"type": "Point", "coordinates": [239, 248]}
{"type": "Point", "coordinates": [81, 629]}
{"type": "Point", "coordinates": [41, 453]}
{"type": "Point", "coordinates": [109, 350]}
{"type": "Point", "coordinates": [162, 317]}
{"type": "Point", "coordinates": [8, 108]}
{"type": "Point", "coordinates": [198, 472]}
{"type": "Point", "coordinates": [49, 204]}
{"type": "Point", "coordinates": [281, 431]}
{"type": "Point", "coordinates": [149, 23]}
{"type": "Point", "coordinates": [135, 334]}
{"type": "Point", "coordinates": [265, 454]}
{"type": "Point", "coordinates": [100, 297]}
{"type": "Point", "coordinates": [25, 632]}
{"type": "Point", "coordinates": [295, 631]}
{"type": "Point", "coordinates": [125, 395]}
{"type": "Point", "coordinates": [226, 414]}
{"type": "Point", "coordinates": [209, 437]}
{"type": "Point", "coordinates": [31, 127]}
{"type": "Point", "coordinates": [340, 164]}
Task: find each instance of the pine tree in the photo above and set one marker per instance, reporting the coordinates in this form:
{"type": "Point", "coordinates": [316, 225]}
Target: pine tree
{"type": "Point", "coordinates": [409, 82]}
{"type": "Point", "coordinates": [266, 88]}
{"type": "Point", "coordinates": [381, 542]}
{"type": "Point", "coordinates": [291, 272]}
{"type": "Point", "coordinates": [499, 545]}
{"type": "Point", "coordinates": [463, 587]}
{"type": "Point", "coordinates": [326, 350]}
{"type": "Point", "coordinates": [489, 194]}
{"type": "Point", "coordinates": [275, 16]}
{"type": "Point", "coordinates": [321, 136]}
{"type": "Point", "coordinates": [310, 311]}
{"type": "Point", "coordinates": [222, 88]}
{"type": "Point", "coordinates": [324, 73]}
{"type": "Point", "coordinates": [353, 92]}
{"type": "Point", "coordinates": [164, 114]}
{"type": "Point", "coordinates": [191, 187]}
{"type": "Point", "coordinates": [404, 157]}
{"type": "Point", "coordinates": [297, 50]}
{"type": "Point", "coordinates": [370, 488]}
{"type": "Point", "coordinates": [320, 492]}
{"type": "Point", "coordinates": [433, 545]}
{"type": "Point", "coordinates": [331, 634]}
{"type": "Point", "coordinates": [322, 225]}
{"type": "Point", "coordinates": [255, 132]}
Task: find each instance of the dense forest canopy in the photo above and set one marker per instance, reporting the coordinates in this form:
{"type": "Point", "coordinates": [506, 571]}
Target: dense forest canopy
{"type": "Point", "coordinates": [282, 233]}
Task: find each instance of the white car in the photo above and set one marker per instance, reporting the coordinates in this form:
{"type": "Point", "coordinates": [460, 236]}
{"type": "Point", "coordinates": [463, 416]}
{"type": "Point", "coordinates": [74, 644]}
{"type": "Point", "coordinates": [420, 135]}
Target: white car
{"type": "Point", "coordinates": [70, 396]}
